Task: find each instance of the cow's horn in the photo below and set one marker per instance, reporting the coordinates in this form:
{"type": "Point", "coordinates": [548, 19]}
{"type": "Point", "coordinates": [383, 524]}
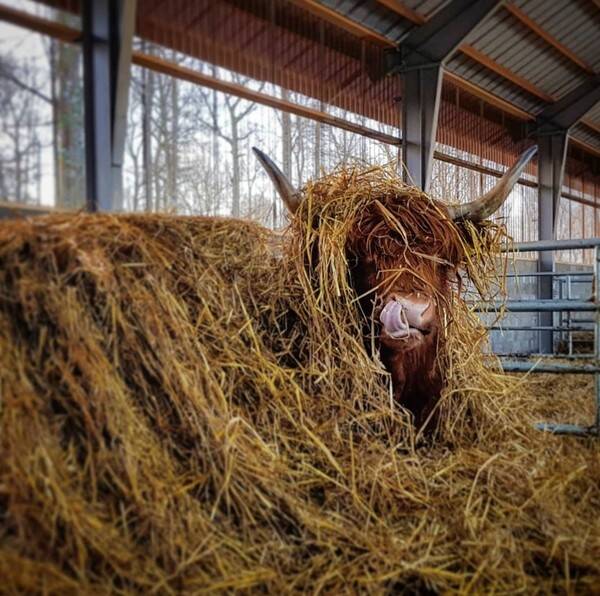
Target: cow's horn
{"type": "Point", "coordinates": [286, 191]}
{"type": "Point", "coordinates": [491, 201]}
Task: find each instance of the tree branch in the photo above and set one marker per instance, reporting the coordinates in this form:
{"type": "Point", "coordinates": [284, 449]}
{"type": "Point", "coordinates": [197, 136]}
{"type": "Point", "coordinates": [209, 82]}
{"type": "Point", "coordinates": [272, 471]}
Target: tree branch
{"type": "Point", "coordinates": [11, 77]}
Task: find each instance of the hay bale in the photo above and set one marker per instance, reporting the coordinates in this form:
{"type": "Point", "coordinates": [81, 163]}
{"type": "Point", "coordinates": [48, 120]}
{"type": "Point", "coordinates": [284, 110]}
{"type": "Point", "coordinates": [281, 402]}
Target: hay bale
{"type": "Point", "coordinates": [184, 408]}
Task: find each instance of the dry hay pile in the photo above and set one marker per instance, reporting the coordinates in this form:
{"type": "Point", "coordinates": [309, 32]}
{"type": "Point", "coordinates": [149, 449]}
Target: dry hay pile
{"type": "Point", "coordinates": [563, 397]}
{"type": "Point", "coordinates": [184, 410]}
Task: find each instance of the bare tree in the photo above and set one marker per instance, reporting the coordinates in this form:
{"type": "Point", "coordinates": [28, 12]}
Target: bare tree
{"type": "Point", "coordinates": [20, 118]}
{"type": "Point", "coordinates": [237, 110]}
{"type": "Point", "coordinates": [147, 94]}
{"type": "Point", "coordinates": [67, 117]}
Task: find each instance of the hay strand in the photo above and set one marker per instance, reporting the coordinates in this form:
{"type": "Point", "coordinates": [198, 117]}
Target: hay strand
{"type": "Point", "coordinates": [186, 409]}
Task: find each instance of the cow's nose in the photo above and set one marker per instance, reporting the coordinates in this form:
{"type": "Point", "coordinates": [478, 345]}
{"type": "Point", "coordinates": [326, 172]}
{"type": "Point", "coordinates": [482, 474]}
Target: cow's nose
{"type": "Point", "coordinates": [419, 312]}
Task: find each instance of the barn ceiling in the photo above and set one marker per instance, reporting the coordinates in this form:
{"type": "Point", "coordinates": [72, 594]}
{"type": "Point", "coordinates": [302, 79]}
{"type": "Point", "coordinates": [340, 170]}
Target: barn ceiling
{"type": "Point", "coordinates": [525, 57]}
{"type": "Point", "coordinates": [529, 53]}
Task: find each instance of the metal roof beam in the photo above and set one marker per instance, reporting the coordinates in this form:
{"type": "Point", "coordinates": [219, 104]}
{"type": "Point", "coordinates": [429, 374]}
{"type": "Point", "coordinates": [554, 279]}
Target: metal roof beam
{"type": "Point", "coordinates": [404, 11]}
{"type": "Point", "coordinates": [438, 38]}
{"type": "Point", "coordinates": [570, 109]}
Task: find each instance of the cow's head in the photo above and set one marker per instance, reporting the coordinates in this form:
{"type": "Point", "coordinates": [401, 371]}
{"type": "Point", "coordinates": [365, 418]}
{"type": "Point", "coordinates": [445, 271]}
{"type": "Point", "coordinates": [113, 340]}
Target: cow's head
{"type": "Point", "coordinates": [403, 274]}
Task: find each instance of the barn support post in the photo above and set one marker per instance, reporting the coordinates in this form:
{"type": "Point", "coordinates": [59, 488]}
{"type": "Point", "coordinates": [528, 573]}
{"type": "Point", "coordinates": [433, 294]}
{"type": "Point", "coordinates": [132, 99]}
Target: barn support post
{"type": "Point", "coordinates": [107, 41]}
{"type": "Point", "coordinates": [551, 164]}
{"type": "Point", "coordinates": [420, 58]}
{"type": "Point", "coordinates": [420, 107]}
{"type": "Point", "coordinates": [552, 129]}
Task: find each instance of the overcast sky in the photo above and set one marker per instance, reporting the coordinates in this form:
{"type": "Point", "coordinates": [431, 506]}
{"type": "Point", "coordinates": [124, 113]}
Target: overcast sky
{"type": "Point", "coordinates": [28, 46]}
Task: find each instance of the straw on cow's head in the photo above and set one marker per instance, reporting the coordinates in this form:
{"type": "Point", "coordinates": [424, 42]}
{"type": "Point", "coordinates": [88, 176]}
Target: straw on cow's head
{"type": "Point", "coordinates": [403, 250]}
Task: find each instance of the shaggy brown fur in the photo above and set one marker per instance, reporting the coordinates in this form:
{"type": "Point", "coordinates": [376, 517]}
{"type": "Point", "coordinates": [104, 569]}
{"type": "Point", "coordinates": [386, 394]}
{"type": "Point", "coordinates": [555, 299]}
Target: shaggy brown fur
{"type": "Point", "coordinates": [402, 244]}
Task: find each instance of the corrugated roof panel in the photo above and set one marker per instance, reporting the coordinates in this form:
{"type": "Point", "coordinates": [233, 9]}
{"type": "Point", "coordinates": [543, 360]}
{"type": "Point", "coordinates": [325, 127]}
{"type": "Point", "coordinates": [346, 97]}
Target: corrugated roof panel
{"type": "Point", "coordinates": [586, 135]}
{"type": "Point", "coordinates": [594, 114]}
{"type": "Point", "coordinates": [489, 27]}
{"type": "Point", "coordinates": [478, 75]}
{"type": "Point", "coordinates": [427, 8]}
{"type": "Point", "coordinates": [512, 45]}
{"type": "Point", "coordinates": [372, 14]}
{"type": "Point", "coordinates": [575, 24]}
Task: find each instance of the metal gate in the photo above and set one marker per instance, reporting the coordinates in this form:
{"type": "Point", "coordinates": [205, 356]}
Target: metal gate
{"type": "Point", "coordinates": [580, 364]}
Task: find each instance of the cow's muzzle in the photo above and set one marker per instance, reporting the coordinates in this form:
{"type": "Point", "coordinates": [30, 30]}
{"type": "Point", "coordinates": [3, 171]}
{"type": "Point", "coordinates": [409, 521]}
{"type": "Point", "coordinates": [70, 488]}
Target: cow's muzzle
{"type": "Point", "coordinates": [403, 317]}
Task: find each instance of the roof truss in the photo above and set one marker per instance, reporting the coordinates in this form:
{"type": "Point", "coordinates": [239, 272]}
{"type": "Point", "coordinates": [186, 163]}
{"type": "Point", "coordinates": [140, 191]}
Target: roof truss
{"type": "Point", "coordinates": [439, 37]}
{"type": "Point", "coordinates": [570, 109]}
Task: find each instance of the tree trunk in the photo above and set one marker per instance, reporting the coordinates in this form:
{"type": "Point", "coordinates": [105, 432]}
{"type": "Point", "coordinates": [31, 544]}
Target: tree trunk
{"type": "Point", "coordinates": [68, 128]}
{"type": "Point", "coordinates": [286, 139]}
{"type": "Point", "coordinates": [172, 157]}
{"type": "Point", "coordinates": [56, 150]}
{"type": "Point", "coordinates": [235, 155]}
{"type": "Point", "coordinates": [214, 202]}
{"type": "Point", "coordinates": [317, 159]}
{"type": "Point", "coordinates": [18, 166]}
{"type": "Point", "coordinates": [147, 94]}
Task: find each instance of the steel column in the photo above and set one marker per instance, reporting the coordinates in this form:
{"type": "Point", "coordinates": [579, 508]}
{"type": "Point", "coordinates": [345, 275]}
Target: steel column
{"type": "Point", "coordinates": [551, 162]}
{"type": "Point", "coordinates": [420, 59]}
{"type": "Point", "coordinates": [97, 103]}
{"type": "Point", "coordinates": [121, 60]}
{"type": "Point", "coordinates": [420, 107]}
{"type": "Point", "coordinates": [552, 129]}
{"type": "Point", "coordinates": [106, 65]}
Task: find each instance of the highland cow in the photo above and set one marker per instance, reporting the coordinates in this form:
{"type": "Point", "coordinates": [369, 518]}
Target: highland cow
{"type": "Point", "coordinates": [403, 277]}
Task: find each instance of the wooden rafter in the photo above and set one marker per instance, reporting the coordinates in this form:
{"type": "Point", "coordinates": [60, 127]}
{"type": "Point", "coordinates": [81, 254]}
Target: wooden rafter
{"type": "Point", "coordinates": [488, 97]}
{"type": "Point", "coordinates": [592, 125]}
{"type": "Point", "coordinates": [481, 58]}
{"type": "Point", "coordinates": [335, 18]}
{"type": "Point", "coordinates": [39, 24]}
{"type": "Point", "coordinates": [171, 69]}
{"type": "Point", "coordinates": [549, 39]}
{"type": "Point", "coordinates": [404, 11]}
{"type": "Point", "coordinates": [585, 146]}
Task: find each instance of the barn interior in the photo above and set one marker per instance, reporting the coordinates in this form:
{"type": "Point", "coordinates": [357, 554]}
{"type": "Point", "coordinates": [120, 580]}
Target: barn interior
{"type": "Point", "coordinates": [451, 92]}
